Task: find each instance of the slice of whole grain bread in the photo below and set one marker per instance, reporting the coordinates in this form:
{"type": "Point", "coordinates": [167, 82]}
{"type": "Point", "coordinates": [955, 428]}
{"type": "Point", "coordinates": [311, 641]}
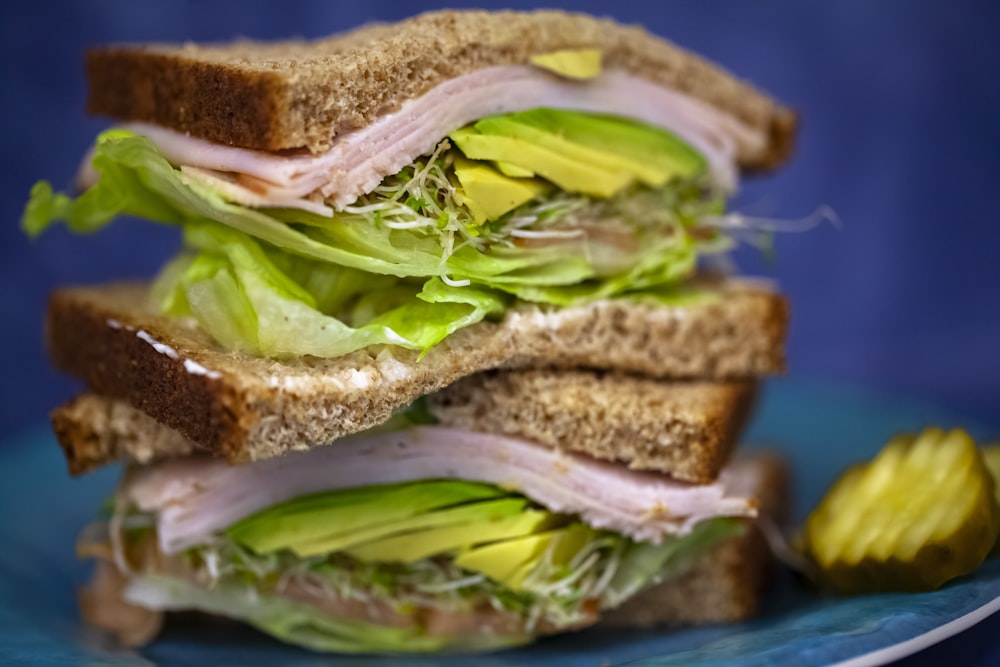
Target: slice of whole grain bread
{"type": "Point", "coordinates": [244, 408]}
{"type": "Point", "coordinates": [295, 94]}
{"type": "Point", "coordinates": [95, 430]}
{"type": "Point", "coordinates": [684, 429]}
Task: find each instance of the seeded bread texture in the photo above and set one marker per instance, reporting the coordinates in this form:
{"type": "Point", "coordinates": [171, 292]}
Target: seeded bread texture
{"type": "Point", "coordinates": [685, 429]}
{"type": "Point", "coordinates": [244, 408]}
{"type": "Point", "coordinates": [94, 430]}
{"type": "Point", "coordinates": [725, 585]}
{"type": "Point", "coordinates": [300, 94]}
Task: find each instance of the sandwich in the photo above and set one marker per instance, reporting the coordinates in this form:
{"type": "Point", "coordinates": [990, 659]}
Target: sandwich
{"type": "Point", "coordinates": [439, 366]}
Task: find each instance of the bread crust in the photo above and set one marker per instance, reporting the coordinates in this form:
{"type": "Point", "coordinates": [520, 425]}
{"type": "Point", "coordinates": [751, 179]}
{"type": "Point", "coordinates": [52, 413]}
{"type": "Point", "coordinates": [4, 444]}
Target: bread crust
{"type": "Point", "coordinates": [244, 408]}
{"type": "Point", "coordinates": [684, 429]}
{"type": "Point", "coordinates": [94, 430]}
{"type": "Point", "coordinates": [298, 94]}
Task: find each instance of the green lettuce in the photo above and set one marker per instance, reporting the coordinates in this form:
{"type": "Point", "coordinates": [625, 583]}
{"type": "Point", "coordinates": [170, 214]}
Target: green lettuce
{"type": "Point", "coordinates": [240, 295]}
{"type": "Point", "coordinates": [283, 282]}
{"type": "Point", "coordinates": [299, 623]}
{"type": "Point", "coordinates": [609, 569]}
{"type": "Point", "coordinates": [645, 563]}
{"type": "Point", "coordinates": [136, 180]}
{"type": "Point", "coordinates": [240, 583]}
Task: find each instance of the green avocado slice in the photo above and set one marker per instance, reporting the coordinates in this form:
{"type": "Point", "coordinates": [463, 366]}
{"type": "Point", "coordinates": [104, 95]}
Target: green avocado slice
{"type": "Point", "coordinates": [503, 560]}
{"type": "Point", "coordinates": [570, 63]}
{"type": "Point", "coordinates": [512, 170]}
{"type": "Point", "coordinates": [660, 154]}
{"type": "Point", "coordinates": [409, 547]}
{"type": "Point", "coordinates": [510, 562]}
{"type": "Point", "coordinates": [489, 194]}
{"type": "Point", "coordinates": [323, 516]}
{"type": "Point", "coordinates": [557, 139]}
{"type": "Point", "coordinates": [487, 511]}
{"type": "Point", "coordinates": [568, 173]}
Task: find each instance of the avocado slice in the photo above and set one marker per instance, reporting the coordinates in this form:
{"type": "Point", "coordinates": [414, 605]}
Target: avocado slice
{"type": "Point", "coordinates": [658, 150]}
{"type": "Point", "coordinates": [570, 63]}
{"type": "Point", "coordinates": [555, 139]}
{"type": "Point", "coordinates": [568, 173]}
{"type": "Point", "coordinates": [489, 194]}
{"type": "Point", "coordinates": [512, 170]}
{"type": "Point", "coordinates": [489, 510]}
{"type": "Point", "coordinates": [416, 545]}
{"type": "Point", "coordinates": [502, 561]}
{"type": "Point", "coordinates": [510, 562]}
{"type": "Point", "coordinates": [322, 516]}
{"type": "Point", "coordinates": [563, 547]}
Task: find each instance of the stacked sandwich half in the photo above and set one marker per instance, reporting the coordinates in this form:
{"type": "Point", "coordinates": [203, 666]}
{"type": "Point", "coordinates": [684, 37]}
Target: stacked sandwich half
{"type": "Point", "coordinates": [437, 367]}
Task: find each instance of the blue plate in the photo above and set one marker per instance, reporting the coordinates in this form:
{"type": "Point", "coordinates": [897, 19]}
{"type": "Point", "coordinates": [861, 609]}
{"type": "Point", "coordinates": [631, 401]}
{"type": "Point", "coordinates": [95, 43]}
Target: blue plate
{"type": "Point", "coordinates": [822, 429]}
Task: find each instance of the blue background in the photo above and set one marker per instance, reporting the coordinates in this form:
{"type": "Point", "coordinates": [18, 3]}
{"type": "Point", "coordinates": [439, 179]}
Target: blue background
{"type": "Point", "coordinates": [900, 105]}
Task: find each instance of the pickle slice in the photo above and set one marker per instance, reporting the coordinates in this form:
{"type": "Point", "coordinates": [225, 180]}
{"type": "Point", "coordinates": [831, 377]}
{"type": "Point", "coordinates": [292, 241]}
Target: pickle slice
{"type": "Point", "coordinates": [922, 513]}
{"type": "Point", "coordinates": [991, 455]}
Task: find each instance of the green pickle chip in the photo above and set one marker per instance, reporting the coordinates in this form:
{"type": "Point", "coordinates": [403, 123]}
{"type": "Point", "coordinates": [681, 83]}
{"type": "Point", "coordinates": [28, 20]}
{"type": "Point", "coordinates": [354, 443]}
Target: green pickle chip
{"type": "Point", "coordinates": [923, 512]}
{"type": "Point", "coordinates": [991, 454]}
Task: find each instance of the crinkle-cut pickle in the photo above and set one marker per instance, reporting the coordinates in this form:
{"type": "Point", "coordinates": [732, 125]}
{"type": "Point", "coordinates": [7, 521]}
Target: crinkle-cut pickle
{"type": "Point", "coordinates": [922, 513]}
{"type": "Point", "coordinates": [991, 455]}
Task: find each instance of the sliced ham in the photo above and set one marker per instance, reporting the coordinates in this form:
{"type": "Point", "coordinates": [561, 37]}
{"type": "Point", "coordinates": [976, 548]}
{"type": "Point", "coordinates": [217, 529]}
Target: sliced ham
{"type": "Point", "coordinates": [359, 160]}
{"type": "Point", "coordinates": [252, 192]}
{"type": "Point", "coordinates": [196, 497]}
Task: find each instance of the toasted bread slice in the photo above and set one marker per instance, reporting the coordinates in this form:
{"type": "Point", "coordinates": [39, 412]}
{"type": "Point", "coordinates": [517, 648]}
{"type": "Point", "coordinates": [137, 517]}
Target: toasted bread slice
{"type": "Point", "coordinates": [95, 430]}
{"type": "Point", "coordinates": [244, 408]}
{"type": "Point", "coordinates": [295, 94]}
{"type": "Point", "coordinates": [684, 429]}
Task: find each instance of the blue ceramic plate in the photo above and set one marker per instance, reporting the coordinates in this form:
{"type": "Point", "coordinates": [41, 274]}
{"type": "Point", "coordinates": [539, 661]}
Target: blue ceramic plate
{"type": "Point", "coordinates": [822, 429]}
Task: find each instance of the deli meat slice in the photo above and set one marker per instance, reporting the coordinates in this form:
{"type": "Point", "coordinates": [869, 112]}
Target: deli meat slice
{"type": "Point", "coordinates": [196, 497]}
{"type": "Point", "coordinates": [359, 160]}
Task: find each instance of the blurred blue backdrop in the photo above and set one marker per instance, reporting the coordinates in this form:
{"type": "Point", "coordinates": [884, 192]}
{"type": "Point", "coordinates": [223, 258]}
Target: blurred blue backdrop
{"type": "Point", "coordinates": [900, 106]}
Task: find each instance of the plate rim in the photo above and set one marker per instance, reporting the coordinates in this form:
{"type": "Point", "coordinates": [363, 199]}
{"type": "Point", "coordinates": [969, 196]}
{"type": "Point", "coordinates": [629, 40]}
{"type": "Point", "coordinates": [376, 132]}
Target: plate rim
{"type": "Point", "coordinates": [913, 645]}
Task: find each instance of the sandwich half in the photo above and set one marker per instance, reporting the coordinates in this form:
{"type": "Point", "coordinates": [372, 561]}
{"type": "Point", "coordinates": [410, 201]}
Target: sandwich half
{"type": "Point", "coordinates": [423, 535]}
{"type": "Point", "coordinates": [399, 184]}
{"type": "Point", "coordinates": [437, 367]}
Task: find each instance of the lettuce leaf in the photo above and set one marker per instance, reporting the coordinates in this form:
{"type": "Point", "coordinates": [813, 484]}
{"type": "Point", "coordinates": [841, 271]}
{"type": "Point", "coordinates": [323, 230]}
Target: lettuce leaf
{"type": "Point", "coordinates": [609, 568]}
{"type": "Point", "coordinates": [654, 271]}
{"type": "Point", "coordinates": [645, 564]}
{"type": "Point", "coordinates": [136, 180]}
{"type": "Point", "coordinates": [240, 295]}
{"type": "Point", "coordinates": [240, 585]}
{"type": "Point", "coordinates": [281, 282]}
{"type": "Point", "coordinates": [296, 622]}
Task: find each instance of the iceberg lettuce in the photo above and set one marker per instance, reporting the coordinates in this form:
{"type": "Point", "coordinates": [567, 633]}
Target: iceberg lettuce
{"type": "Point", "coordinates": [282, 282]}
{"type": "Point", "coordinates": [296, 622]}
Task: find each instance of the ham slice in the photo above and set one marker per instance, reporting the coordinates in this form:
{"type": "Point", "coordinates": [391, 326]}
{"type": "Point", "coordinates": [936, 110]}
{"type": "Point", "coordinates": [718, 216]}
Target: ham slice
{"type": "Point", "coordinates": [196, 497]}
{"type": "Point", "coordinates": [359, 160]}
